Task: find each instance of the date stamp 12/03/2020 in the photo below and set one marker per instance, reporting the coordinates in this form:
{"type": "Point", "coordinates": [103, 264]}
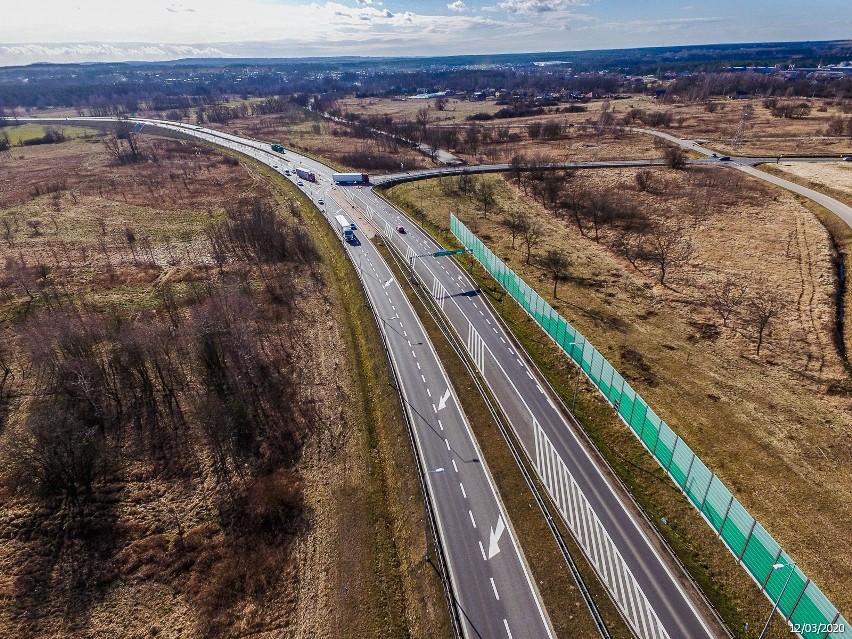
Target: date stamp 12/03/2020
{"type": "Point", "coordinates": [820, 629]}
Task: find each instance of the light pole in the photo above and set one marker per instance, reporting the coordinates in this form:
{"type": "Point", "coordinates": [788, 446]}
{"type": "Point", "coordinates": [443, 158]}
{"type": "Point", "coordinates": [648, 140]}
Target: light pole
{"type": "Point", "coordinates": [791, 565]}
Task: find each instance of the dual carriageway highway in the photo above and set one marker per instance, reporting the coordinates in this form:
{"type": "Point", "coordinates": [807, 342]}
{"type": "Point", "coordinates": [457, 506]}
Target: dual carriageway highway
{"type": "Point", "coordinates": [495, 595]}
{"type": "Point", "coordinates": [655, 602]}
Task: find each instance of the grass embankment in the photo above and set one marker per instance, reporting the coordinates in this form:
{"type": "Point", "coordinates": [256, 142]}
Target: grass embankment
{"type": "Point", "coordinates": [22, 133]}
{"type": "Point", "coordinates": [407, 595]}
{"type": "Point", "coordinates": [562, 600]}
{"type": "Point", "coordinates": [688, 385]}
{"type": "Point", "coordinates": [841, 235]}
{"type": "Point", "coordinates": [839, 194]}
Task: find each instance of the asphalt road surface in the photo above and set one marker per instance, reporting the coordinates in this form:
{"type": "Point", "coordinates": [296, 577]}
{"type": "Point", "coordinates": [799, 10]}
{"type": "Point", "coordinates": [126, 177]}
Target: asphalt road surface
{"type": "Point", "coordinates": [495, 595]}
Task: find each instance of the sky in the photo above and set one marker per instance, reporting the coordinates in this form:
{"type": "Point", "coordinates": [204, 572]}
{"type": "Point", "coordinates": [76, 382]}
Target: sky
{"type": "Point", "coordinates": [108, 30]}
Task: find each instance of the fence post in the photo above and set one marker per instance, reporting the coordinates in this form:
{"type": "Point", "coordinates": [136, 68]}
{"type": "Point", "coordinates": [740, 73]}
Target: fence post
{"type": "Point", "coordinates": [659, 430]}
{"type": "Point", "coordinates": [831, 625]}
{"type": "Point", "coordinates": [748, 538]}
{"type": "Point", "coordinates": [799, 598]}
{"type": "Point", "coordinates": [644, 421]}
{"type": "Point", "coordinates": [706, 492]}
{"type": "Point", "coordinates": [609, 381]}
{"type": "Point", "coordinates": [769, 574]}
{"type": "Point", "coordinates": [674, 446]}
{"type": "Point", "coordinates": [686, 476]}
{"type": "Point", "coordinates": [725, 518]}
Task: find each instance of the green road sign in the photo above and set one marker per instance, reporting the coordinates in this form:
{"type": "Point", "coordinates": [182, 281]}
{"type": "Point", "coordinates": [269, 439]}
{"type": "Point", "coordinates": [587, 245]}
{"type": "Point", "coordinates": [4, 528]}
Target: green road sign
{"type": "Point", "coordinates": [455, 252]}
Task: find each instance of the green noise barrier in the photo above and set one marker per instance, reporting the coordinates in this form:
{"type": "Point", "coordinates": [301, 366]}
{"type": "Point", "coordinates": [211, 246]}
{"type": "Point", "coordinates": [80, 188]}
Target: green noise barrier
{"type": "Point", "coordinates": [806, 609]}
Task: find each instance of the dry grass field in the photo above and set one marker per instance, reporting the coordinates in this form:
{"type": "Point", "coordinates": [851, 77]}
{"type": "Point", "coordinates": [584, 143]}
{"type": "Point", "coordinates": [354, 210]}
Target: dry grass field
{"type": "Point", "coordinates": [456, 110]}
{"type": "Point", "coordinates": [836, 176]}
{"type": "Point", "coordinates": [190, 531]}
{"type": "Point", "coordinates": [337, 144]}
{"type": "Point", "coordinates": [763, 134]}
{"type": "Point", "coordinates": [775, 426]}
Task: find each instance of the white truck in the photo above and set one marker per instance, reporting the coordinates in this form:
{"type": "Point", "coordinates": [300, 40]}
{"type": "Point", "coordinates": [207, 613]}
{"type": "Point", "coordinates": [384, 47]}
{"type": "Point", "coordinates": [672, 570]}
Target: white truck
{"type": "Point", "coordinates": [350, 178]}
{"type": "Point", "coordinates": [346, 227]}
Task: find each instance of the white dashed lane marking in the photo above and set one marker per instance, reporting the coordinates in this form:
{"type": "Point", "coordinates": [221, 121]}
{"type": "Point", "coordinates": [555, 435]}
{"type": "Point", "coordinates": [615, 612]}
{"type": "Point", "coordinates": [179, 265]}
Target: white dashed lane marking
{"type": "Point", "coordinates": [464, 494]}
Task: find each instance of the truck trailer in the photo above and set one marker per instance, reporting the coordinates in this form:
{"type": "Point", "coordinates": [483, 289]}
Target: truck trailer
{"type": "Point", "coordinates": [346, 227]}
{"type": "Point", "coordinates": [350, 178]}
{"type": "Point", "coordinates": [306, 175]}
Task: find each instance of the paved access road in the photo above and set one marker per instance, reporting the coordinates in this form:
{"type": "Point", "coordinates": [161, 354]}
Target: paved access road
{"type": "Point", "coordinates": [495, 595]}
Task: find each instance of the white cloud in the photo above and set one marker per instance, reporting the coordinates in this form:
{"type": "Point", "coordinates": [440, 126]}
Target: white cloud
{"type": "Point", "coordinates": [652, 26]}
{"type": "Point", "coordinates": [103, 51]}
{"type": "Point", "coordinates": [458, 5]}
{"type": "Point", "coordinates": [538, 6]}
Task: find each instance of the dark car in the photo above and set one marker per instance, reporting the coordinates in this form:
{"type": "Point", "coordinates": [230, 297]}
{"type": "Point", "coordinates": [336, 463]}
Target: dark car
{"type": "Point", "coordinates": [725, 158]}
{"type": "Point", "coordinates": [400, 229]}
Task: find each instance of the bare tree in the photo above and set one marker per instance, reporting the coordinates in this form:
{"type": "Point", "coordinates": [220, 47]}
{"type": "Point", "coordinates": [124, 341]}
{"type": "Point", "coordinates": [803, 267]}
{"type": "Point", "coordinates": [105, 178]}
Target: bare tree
{"type": "Point", "coordinates": [668, 245]}
{"type": "Point", "coordinates": [123, 144]}
{"type": "Point", "coordinates": [630, 244]}
{"type": "Point", "coordinates": [763, 307]}
{"type": "Point", "coordinates": [517, 165]}
{"type": "Point", "coordinates": [574, 200]}
{"type": "Point", "coordinates": [599, 208]}
{"type": "Point", "coordinates": [532, 234]}
{"type": "Point", "coordinates": [643, 180]}
{"type": "Point", "coordinates": [130, 236]}
{"type": "Point", "coordinates": [472, 138]}
{"type": "Point", "coordinates": [726, 297]}
{"type": "Point", "coordinates": [557, 263]}
{"type": "Point", "coordinates": [675, 157]}
{"type": "Point", "coordinates": [8, 232]}
{"type": "Point", "coordinates": [485, 193]}
{"type": "Point", "coordinates": [35, 226]}
{"type": "Point", "coordinates": [515, 221]}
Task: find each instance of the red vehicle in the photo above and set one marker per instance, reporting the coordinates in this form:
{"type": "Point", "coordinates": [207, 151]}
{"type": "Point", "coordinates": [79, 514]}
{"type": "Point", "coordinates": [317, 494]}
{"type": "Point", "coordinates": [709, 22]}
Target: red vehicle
{"type": "Point", "coordinates": [306, 175]}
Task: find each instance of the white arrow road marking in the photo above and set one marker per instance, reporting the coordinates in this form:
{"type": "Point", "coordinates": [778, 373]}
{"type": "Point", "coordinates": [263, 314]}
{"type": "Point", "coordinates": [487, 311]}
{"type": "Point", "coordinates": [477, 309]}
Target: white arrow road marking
{"type": "Point", "coordinates": [493, 548]}
{"type": "Point", "coordinates": [388, 283]}
{"type": "Point", "coordinates": [443, 403]}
